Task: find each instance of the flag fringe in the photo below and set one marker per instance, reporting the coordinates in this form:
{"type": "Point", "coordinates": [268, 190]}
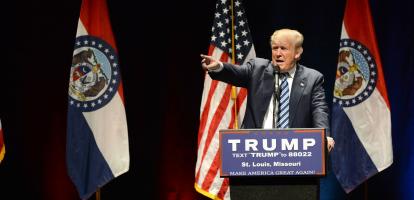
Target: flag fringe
{"type": "Point", "coordinates": [205, 193]}
{"type": "Point", "coordinates": [2, 152]}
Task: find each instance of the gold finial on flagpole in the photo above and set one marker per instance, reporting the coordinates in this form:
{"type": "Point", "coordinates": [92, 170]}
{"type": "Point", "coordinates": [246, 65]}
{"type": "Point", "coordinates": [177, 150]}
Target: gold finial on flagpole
{"type": "Point", "coordinates": [98, 194]}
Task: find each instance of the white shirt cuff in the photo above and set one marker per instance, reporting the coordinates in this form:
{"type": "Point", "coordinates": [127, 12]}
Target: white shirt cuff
{"type": "Point", "coordinates": [221, 66]}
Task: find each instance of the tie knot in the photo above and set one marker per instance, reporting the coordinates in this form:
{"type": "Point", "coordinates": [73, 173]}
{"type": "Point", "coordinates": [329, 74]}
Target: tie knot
{"type": "Point", "coordinates": [284, 75]}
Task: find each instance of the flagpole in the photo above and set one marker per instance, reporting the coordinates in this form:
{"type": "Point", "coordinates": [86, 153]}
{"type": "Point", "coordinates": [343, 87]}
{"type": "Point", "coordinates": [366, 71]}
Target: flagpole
{"type": "Point", "coordinates": [98, 194]}
{"type": "Point", "coordinates": [233, 56]}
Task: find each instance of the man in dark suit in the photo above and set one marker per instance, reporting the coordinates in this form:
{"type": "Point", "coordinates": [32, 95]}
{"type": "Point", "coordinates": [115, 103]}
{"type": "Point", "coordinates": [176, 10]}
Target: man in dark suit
{"type": "Point", "coordinates": [306, 105]}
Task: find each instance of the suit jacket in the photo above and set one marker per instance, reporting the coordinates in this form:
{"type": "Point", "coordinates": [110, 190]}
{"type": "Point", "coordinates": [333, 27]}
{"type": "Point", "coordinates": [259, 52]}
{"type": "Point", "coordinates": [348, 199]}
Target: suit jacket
{"type": "Point", "coordinates": [307, 105]}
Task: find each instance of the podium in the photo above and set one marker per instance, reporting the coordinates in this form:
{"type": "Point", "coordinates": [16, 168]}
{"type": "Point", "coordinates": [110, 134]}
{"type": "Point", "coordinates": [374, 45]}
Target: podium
{"type": "Point", "coordinates": [274, 163]}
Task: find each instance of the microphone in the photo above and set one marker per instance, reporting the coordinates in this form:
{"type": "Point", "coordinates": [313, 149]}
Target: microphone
{"type": "Point", "coordinates": [276, 95]}
{"type": "Point", "coordinates": [276, 68]}
{"type": "Point", "coordinates": [276, 74]}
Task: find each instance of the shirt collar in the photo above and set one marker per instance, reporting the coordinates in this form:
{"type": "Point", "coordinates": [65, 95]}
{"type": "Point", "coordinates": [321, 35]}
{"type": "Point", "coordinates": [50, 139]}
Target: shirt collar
{"type": "Point", "coordinates": [292, 71]}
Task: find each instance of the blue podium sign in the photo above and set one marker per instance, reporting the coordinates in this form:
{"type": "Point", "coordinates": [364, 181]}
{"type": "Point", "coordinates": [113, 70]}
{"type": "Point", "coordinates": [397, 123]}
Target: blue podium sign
{"type": "Point", "coordinates": [272, 152]}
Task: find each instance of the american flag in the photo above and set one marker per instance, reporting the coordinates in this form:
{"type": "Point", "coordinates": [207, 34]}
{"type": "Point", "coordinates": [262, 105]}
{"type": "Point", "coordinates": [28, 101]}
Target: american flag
{"type": "Point", "coordinates": [217, 108]}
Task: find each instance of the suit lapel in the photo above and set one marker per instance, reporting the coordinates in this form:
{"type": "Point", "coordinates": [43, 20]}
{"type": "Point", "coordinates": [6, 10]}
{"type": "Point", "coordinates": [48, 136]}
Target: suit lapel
{"type": "Point", "coordinates": [298, 85]}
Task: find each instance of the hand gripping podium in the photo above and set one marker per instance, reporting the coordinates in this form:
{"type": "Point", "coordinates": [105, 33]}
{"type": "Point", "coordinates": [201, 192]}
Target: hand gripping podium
{"type": "Point", "coordinates": [270, 164]}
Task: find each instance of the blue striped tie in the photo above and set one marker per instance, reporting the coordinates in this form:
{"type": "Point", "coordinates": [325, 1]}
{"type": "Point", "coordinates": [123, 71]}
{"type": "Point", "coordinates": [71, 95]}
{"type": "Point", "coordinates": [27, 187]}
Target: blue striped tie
{"type": "Point", "coordinates": [283, 121]}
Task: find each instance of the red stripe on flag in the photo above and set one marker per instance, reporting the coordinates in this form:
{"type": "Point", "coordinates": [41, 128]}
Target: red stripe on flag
{"type": "Point", "coordinates": [94, 16]}
{"type": "Point", "coordinates": [206, 110]}
{"type": "Point", "coordinates": [212, 171]}
{"type": "Point", "coordinates": [355, 11]}
{"type": "Point", "coordinates": [211, 49]}
{"type": "Point", "coordinates": [223, 189]}
{"type": "Point", "coordinates": [121, 92]}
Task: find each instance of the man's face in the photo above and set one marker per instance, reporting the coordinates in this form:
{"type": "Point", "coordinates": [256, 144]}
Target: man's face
{"type": "Point", "coordinates": [284, 53]}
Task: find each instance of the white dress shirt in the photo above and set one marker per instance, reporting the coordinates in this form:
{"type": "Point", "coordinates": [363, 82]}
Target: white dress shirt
{"type": "Point", "coordinates": [268, 118]}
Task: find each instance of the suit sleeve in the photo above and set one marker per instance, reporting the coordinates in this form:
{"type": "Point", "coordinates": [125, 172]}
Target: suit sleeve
{"type": "Point", "coordinates": [320, 110]}
{"type": "Point", "coordinates": [238, 75]}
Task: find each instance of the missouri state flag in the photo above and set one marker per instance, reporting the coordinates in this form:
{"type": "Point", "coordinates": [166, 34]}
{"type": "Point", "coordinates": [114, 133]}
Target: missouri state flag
{"type": "Point", "coordinates": [361, 121]}
{"type": "Point", "coordinates": [97, 137]}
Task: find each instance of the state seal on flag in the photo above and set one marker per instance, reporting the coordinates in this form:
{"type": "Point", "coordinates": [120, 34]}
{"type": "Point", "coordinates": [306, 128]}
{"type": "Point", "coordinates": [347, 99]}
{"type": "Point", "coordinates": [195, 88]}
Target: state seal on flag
{"type": "Point", "coordinates": [94, 74]}
{"type": "Point", "coordinates": [356, 74]}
